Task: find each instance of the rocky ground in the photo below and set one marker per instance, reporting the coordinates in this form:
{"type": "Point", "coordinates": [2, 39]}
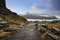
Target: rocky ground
{"type": "Point", "coordinates": [31, 31]}
{"type": "Point", "coordinates": [28, 32]}
{"type": "Point", "coordinates": [49, 33]}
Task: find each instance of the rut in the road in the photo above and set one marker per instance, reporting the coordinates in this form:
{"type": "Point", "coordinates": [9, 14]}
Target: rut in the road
{"type": "Point", "coordinates": [29, 32]}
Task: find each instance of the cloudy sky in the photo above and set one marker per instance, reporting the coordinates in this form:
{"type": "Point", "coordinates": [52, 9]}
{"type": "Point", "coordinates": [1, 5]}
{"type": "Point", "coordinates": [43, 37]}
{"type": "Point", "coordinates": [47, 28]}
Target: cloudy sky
{"type": "Point", "coordinates": [34, 6]}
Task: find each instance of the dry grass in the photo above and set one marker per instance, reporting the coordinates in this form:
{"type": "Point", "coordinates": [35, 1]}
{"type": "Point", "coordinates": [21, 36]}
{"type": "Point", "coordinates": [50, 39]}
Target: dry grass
{"type": "Point", "coordinates": [5, 33]}
{"type": "Point", "coordinates": [56, 25]}
{"type": "Point", "coordinates": [2, 33]}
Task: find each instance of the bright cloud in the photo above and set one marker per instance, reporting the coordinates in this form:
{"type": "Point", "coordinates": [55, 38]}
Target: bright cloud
{"type": "Point", "coordinates": [38, 6]}
{"type": "Point", "coordinates": [34, 7]}
{"type": "Point", "coordinates": [47, 5]}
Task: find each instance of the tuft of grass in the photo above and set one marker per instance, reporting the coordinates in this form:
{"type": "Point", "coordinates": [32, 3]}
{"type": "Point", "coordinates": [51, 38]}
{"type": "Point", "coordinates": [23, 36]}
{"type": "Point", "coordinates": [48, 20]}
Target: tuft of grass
{"type": "Point", "coordinates": [5, 33]}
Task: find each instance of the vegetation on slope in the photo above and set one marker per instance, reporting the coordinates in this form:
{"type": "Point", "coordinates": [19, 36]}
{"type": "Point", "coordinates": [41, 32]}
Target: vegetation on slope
{"type": "Point", "coordinates": [9, 15]}
{"type": "Point", "coordinates": [9, 21]}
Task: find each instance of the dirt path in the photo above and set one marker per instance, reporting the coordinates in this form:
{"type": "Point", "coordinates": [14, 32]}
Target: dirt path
{"type": "Point", "coordinates": [29, 32]}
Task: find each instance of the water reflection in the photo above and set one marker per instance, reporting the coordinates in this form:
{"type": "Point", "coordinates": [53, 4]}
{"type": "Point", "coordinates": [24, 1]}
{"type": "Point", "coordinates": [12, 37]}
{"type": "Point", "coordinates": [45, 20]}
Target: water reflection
{"type": "Point", "coordinates": [40, 20]}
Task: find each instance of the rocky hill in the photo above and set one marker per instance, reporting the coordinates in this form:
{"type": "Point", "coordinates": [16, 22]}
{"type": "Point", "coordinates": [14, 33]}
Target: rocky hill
{"type": "Point", "coordinates": [10, 22]}
{"type": "Point", "coordinates": [7, 14]}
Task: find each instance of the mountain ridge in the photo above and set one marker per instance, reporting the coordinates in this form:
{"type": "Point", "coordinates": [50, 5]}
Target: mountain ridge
{"type": "Point", "coordinates": [33, 16]}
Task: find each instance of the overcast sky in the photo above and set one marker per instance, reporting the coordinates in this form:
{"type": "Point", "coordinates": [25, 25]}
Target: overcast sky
{"type": "Point", "coordinates": [34, 6]}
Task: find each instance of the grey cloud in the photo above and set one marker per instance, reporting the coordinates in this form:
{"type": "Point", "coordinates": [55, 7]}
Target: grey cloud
{"type": "Point", "coordinates": [55, 4]}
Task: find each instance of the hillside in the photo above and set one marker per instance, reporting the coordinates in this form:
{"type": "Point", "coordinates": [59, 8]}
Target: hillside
{"type": "Point", "coordinates": [10, 22]}
{"type": "Point", "coordinates": [8, 15]}
{"type": "Point", "coordinates": [33, 16]}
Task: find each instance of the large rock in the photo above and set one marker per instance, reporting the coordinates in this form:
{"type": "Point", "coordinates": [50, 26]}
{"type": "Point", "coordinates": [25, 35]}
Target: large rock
{"type": "Point", "coordinates": [4, 25]}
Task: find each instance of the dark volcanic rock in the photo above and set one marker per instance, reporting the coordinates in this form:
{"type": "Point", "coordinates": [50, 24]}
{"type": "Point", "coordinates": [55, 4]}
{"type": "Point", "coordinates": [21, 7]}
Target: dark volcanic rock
{"type": "Point", "coordinates": [2, 4]}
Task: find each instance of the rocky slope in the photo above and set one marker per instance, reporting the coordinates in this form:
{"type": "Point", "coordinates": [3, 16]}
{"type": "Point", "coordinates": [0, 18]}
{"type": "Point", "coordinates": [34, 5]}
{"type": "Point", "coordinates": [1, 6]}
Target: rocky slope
{"type": "Point", "coordinates": [9, 21]}
{"type": "Point", "coordinates": [7, 14]}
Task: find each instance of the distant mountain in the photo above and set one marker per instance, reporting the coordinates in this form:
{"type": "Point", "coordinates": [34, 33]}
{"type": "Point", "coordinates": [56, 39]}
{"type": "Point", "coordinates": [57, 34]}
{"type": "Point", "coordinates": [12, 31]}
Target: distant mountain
{"type": "Point", "coordinates": [33, 16]}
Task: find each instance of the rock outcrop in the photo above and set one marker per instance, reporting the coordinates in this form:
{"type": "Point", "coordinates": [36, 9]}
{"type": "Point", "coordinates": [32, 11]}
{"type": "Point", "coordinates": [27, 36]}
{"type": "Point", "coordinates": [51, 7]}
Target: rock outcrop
{"type": "Point", "coordinates": [2, 4]}
{"type": "Point", "coordinates": [7, 14]}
